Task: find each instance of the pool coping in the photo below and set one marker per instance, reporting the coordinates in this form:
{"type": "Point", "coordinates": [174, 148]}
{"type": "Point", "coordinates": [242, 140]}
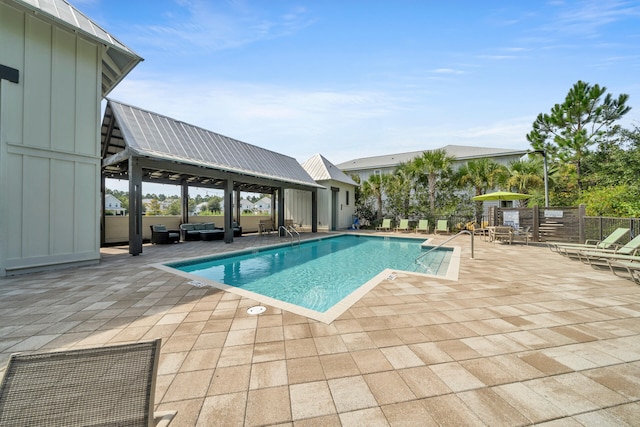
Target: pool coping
{"type": "Point", "coordinates": [334, 312]}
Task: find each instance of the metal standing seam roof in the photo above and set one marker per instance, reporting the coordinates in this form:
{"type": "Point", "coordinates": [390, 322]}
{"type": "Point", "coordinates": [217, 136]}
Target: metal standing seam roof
{"type": "Point", "coordinates": [322, 169]}
{"type": "Point", "coordinates": [148, 134]}
{"type": "Point", "coordinates": [118, 59]}
{"type": "Point", "coordinates": [460, 152]}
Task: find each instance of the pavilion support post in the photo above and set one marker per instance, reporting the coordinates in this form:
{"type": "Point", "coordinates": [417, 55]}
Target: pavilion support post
{"type": "Point", "coordinates": [228, 211]}
{"type": "Point", "coordinates": [103, 187]}
{"type": "Point", "coordinates": [238, 209]}
{"type": "Point", "coordinates": [135, 207]}
{"type": "Point", "coordinates": [280, 205]}
{"type": "Point", "coordinates": [314, 210]}
{"type": "Point", "coordinates": [184, 202]}
{"type": "Point", "coordinates": [272, 213]}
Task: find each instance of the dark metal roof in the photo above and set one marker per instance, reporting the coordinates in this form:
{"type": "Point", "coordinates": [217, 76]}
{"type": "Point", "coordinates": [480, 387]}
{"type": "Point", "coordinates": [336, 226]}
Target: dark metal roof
{"type": "Point", "coordinates": [117, 59]}
{"type": "Point", "coordinates": [177, 152]}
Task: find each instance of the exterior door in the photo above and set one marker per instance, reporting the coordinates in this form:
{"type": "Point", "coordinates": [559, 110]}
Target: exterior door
{"type": "Point", "coordinates": [334, 208]}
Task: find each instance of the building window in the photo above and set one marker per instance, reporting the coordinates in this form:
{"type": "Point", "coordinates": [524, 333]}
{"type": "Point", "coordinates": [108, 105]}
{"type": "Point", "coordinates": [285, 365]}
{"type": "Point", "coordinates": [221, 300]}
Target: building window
{"type": "Point", "coordinates": [377, 172]}
{"type": "Point", "coordinates": [347, 203]}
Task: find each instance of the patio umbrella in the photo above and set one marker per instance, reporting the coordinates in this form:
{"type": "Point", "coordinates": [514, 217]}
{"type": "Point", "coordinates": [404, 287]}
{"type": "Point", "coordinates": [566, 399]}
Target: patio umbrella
{"type": "Point", "coordinates": [501, 195]}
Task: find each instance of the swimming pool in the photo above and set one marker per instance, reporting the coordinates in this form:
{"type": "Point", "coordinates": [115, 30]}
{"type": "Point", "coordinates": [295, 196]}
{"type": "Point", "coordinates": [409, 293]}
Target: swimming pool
{"type": "Point", "coordinates": [316, 274]}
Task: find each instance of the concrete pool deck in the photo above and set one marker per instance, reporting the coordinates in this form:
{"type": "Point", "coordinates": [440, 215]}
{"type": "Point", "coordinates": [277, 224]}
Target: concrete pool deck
{"type": "Point", "coordinates": [523, 336]}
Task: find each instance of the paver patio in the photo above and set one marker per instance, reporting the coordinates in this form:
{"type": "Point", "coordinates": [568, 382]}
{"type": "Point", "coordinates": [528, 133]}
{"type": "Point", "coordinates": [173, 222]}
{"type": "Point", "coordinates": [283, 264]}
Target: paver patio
{"type": "Point", "coordinates": [524, 336]}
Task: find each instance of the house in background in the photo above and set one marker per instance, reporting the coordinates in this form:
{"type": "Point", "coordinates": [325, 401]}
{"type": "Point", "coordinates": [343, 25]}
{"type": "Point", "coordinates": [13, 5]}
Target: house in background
{"type": "Point", "coordinates": [263, 206]}
{"type": "Point", "coordinates": [245, 205]}
{"type": "Point", "coordinates": [336, 202]}
{"type": "Point", "coordinates": [113, 205]}
{"type": "Point", "coordinates": [56, 65]}
{"type": "Point", "coordinates": [364, 167]}
{"type": "Point", "coordinates": [201, 207]}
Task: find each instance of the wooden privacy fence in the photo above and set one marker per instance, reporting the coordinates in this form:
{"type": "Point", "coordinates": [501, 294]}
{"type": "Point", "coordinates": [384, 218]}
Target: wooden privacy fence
{"type": "Point", "coordinates": [562, 224]}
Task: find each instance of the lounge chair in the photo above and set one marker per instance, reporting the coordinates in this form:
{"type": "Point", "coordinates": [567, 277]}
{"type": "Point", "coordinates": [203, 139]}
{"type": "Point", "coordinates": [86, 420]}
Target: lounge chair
{"type": "Point", "coordinates": [423, 226]}
{"type": "Point", "coordinates": [441, 226]}
{"type": "Point", "coordinates": [385, 226]}
{"type": "Point", "coordinates": [404, 225]}
{"type": "Point", "coordinates": [573, 248]}
{"type": "Point", "coordinates": [631, 267]}
{"type": "Point", "coordinates": [112, 385]}
{"type": "Point", "coordinates": [599, 256]}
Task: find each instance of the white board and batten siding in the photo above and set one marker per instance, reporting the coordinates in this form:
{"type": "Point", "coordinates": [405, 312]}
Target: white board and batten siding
{"type": "Point", "coordinates": [298, 206]}
{"type": "Point", "coordinates": [49, 145]}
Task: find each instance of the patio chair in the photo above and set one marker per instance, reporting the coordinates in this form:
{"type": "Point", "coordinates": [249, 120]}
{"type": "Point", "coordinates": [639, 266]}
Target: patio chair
{"type": "Point", "coordinates": [102, 386]}
{"type": "Point", "coordinates": [160, 234]}
{"type": "Point", "coordinates": [521, 235]}
{"type": "Point", "coordinates": [573, 248]}
{"type": "Point", "coordinates": [501, 233]}
{"type": "Point", "coordinates": [385, 226]}
{"type": "Point", "coordinates": [404, 225]}
{"type": "Point", "coordinates": [237, 229]}
{"type": "Point", "coordinates": [423, 226]}
{"type": "Point", "coordinates": [265, 226]}
{"type": "Point", "coordinates": [441, 226]}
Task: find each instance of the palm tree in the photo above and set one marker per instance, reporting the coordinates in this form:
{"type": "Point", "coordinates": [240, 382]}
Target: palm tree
{"type": "Point", "coordinates": [481, 174]}
{"type": "Point", "coordinates": [372, 187]}
{"type": "Point", "coordinates": [431, 167]}
{"type": "Point", "coordinates": [524, 175]}
{"type": "Point", "coordinates": [398, 188]}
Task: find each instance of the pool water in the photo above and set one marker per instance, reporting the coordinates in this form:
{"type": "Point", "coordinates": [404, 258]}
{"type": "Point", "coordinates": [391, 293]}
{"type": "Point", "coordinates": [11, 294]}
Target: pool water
{"type": "Point", "coordinates": [318, 274]}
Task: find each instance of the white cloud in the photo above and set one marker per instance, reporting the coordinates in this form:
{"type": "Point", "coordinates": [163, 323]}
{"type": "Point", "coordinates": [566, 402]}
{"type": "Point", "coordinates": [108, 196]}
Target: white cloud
{"type": "Point", "coordinates": [588, 17]}
{"type": "Point", "coordinates": [202, 26]}
{"type": "Point", "coordinates": [447, 71]}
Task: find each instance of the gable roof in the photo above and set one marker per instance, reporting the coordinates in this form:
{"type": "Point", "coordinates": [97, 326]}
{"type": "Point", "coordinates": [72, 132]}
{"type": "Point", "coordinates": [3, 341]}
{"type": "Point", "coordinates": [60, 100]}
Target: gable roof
{"type": "Point", "coordinates": [117, 59]}
{"type": "Point", "coordinates": [460, 152]}
{"type": "Point", "coordinates": [322, 169]}
{"type": "Point", "coordinates": [174, 146]}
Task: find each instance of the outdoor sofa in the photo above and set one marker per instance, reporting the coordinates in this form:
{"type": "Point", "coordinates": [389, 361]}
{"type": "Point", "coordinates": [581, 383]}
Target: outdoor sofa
{"type": "Point", "coordinates": [206, 231]}
{"type": "Point", "coordinates": [201, 231]}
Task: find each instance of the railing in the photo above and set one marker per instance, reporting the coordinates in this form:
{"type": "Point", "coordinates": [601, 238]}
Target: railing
{"type": "Point", "coordinates": [287, 231]}
{"type": "Point", "coordinates": [421, 256]}
{"type": "Point", "coordinates": [597, 228]}
{"type": "Point", "coordinates": [293, 230]}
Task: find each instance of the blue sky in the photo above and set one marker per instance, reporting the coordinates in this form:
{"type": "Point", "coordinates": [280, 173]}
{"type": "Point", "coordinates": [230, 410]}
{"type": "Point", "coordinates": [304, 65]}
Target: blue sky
{"type": "Point", "coordinates": [351, 79]}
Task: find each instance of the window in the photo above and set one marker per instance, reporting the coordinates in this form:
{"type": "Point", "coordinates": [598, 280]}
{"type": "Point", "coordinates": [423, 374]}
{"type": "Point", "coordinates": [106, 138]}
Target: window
{"type": "Point", "coordinates": [347, 203]}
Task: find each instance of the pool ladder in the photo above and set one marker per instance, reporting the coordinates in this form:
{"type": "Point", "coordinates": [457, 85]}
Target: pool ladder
{"type": "Point", "coordinates": [289, 231]}
{"type": "Point", "coordinates": [418, 260]}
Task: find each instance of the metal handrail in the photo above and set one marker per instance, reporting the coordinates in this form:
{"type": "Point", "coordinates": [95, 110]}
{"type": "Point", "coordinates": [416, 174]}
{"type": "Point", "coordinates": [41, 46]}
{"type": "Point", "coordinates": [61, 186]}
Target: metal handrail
{"type": "Point", "coordinates": [293, 230]}
{"type": "Point", "coordinates": [286, 230]}
{"type": "Point", "coordinates": [417, 260]}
